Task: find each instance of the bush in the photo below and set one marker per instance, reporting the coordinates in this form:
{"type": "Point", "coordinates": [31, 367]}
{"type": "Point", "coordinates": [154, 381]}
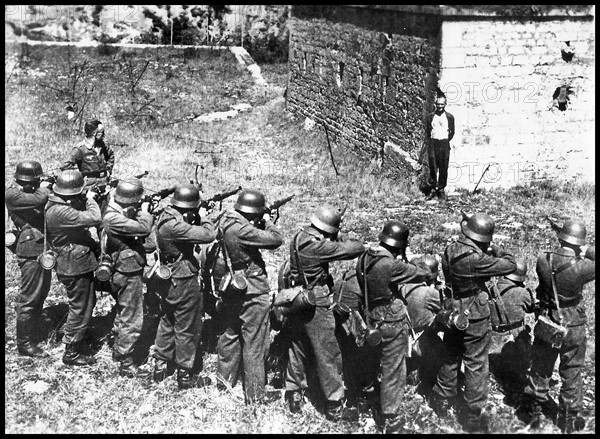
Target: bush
{"type": "Point", "coordinates": [267, 40]}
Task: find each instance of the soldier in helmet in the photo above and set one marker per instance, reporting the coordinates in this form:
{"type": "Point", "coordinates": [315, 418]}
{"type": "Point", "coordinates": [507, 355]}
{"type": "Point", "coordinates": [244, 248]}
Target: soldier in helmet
{"type": "Point", "coordinates": [423, 303]}
{"type": "Point", "coordinates": [127, 225]}
{"type": "Point", "coordinates": [243, 347]}
{"type": "Point", "coordinates": [25, 203]}
{"type": "Point", "coordinates": [510, 347]}
{"type": "Point", "coordinates": [312, 331]}
{"type": "Point", "coordinates": [68, 217]}
{"type": "Point", "coordinates": [567, 269]}
{"type": "Point", "coordinates": [381, 271]}
{"type": "Point", "coordinates": [468, 264]}
{"type": "Point", "coordinates": [92, 157]}
{"type": "Point", "coordinates": [181, 227]}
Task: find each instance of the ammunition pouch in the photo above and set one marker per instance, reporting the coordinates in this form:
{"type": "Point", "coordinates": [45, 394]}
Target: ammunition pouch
{"type": "Point", "coordinates": [549, 332]}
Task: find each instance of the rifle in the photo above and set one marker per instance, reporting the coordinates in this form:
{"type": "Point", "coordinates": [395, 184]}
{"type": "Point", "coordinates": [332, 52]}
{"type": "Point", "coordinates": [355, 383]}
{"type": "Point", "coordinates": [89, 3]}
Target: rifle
{"type": "Point", "coordinates": [274, 207]}
{"type": "Point", "coordinates": [112, 183]}
{"type": "Point", "coordinates": [218, 198]}
{"type": "Point", "coordinates": [48, 178]}
{"type": "Point", "coordinates": [155, 197]}
{"type": "Point", "coordinates": [481, 178]}
{"type": "Point", "coordinates": [553, 224]}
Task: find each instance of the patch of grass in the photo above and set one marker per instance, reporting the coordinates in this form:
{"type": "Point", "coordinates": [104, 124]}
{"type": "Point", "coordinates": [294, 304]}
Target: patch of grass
{"type": "Point", "coordinates": [267, 149]}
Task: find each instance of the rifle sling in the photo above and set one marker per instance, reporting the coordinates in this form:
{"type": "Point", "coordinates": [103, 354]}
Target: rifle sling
{"type": "Point", "coordinates": [553, 282]}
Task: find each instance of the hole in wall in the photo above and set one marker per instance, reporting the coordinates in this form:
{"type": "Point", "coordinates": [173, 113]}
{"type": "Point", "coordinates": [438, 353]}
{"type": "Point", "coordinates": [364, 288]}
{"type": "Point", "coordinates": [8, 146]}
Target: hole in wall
{"type": "Point", "coordinates": [561, 97]}
{"type": "Point", "coordinates": [567, 51]}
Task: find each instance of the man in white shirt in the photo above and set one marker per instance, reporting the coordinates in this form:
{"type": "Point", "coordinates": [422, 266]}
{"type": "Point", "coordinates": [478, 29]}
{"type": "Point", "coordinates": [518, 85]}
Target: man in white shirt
{"type": "Point", "coordinates": [440, 130]}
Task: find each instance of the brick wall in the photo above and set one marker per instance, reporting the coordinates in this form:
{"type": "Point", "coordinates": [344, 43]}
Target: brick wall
{"type": "Point", "coordinates": [499, 77]}
{"type": "Point", "coordinates": [365, 76]}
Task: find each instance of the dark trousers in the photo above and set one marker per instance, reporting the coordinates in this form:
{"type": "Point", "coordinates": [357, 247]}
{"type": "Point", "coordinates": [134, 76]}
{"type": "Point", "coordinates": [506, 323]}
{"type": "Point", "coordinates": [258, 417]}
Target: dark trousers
{"type": "Point", "coordinates": [510, 358]}
{"type": "Point", "coordinates": [439, 159]}
{"type": "Point", "coordinates": [471, 348]}
{"type": "Point", "coordinates": [129, 320]}
{"type": "Point", "coordinates": [82, 298]}
{"type": "Point", "coordinates": [572, 357]}
{"type": "Point", "coordinates": [180, 326]}
{"type": "Point", "coordinates": [35, 285]}
{"type": "Point", "coordinates": [312, 335]}
{"type": "Point", "coordinates": [243, 347]}
{"type": "Point", "coordinates": [427, 357]}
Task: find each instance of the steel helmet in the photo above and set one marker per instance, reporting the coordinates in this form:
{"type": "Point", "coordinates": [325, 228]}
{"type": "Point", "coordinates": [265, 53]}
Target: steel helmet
{"type": "Point", "coordinates": [186, 196]}
{"type": "Point", "coordinates": [479, 227]}
{"type": "Point", "coordinates": [68, 183]}
{"type": "Point", "coordinates": [428, 261]}
{"type": "Point", "coordinates": [327, 219]}
{"type": "Point", "coordinates": [28, 170]}
{"type": "Point", "coordinates": [520, 274]}
{"type": "Point", "coordinates": [251, 201]}
{"type": "Point", "coordinates": [395, 234]}
{"type": "Point", "coordinates": [129, 191]}
{"type": "Point", "coordinates": [573, 232]}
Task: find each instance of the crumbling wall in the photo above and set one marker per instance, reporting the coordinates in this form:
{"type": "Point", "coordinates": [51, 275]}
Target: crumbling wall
{"type": "Point", "coordinates": [365, 75]}
{"type": "Point", "coordinates": [501, 79]}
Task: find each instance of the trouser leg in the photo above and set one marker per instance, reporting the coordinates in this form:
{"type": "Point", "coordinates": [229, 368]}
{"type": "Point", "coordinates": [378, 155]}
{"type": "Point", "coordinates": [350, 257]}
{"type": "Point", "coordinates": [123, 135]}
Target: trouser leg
{"type": "Point", "coordinates": [34, 288]}
{"type": "Point", "coordinates": [394, 347]}
{"type": "Point", "coordinates": [572, 358]}
{"type": "Point", "coordinates": [130, 311]}
{"type": "Point", "coordinates": [188, 321]}
{"type": "Point", "coordinates": [476, 362]}
{"type": "Point", "coordinates": [229, 346]}
{"type": "Point", "coordinates": [80, 292]}
{"type": "Point", "coordinates": [442, 157]}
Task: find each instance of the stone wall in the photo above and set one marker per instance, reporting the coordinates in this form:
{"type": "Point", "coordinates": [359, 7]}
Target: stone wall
{"type": "Point", "coordinates": [365, 75]}
{"type": "Point", "coordinates": [500, 77]}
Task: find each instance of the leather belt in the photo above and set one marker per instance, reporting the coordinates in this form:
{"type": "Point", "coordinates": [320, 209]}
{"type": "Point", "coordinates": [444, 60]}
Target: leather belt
{"type": "Point", "coordinates": [505, 328]}
{"type": "Point", "coordinates": [171, 259]}
{"type": "Point", "coordinates": [379, 301]}
{"type": "Point", "coordinates": [94, 174]}
{"type": "Point", "coordinates": [236, 266]}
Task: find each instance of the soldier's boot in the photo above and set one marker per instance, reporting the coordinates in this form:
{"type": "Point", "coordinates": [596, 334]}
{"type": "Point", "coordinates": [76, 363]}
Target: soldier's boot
{"type": "Point", "coordinates": [73, 355]}
{"type": "Point", "coordinates": [294, 400]}
{"type": "Point", "coordinates": [570, 422]}
{"type": "Point", "coordinates": [25, 340]}
{"type": "Point", "coordinates": [337, 411]}
{"type": "Point", "coordinates": [187, 380]}
{"type": "Point", "coordinates": [532, 411]}
{"type": "Point", "coordinates": [126, 367]}
{"type": "Point", "coordinates": [160, 372]}
{"type": "Point", "coordinates": [476, 421]}
{"type": "Point", "coordinates": [439, 405]}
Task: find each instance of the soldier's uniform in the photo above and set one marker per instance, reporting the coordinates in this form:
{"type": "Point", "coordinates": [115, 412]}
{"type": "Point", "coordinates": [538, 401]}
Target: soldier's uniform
{"type": "Point", "coordinates": [76, 259]}
{"type": "Point", "coordinates": [243, 347]}
{"type": "Point", "coordinates": [510, 347]}
{"type": "Point", "coordinates": [127, 244]}
{"type": "Point", "coordinates": [312, 332]}
{"type": "Point", "coordinates": [572, 273]}
{"type": "Point", "coordinates": [95, 163]}
{"type": "Point", "coordinates": [26, 210]}
{"type": "Point", "coordinates": [384, 276]}
{"type": "Point", "coordinates": [423, 302]}
{"type": "Point", "coordinates": [466, 269]}
{"type": "Point", "coordinates": [180, 326]}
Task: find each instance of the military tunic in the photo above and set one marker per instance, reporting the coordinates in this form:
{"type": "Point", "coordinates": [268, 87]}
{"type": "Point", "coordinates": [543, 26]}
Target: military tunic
{"type": "Point", "coordinates": [180, 326]}
{"type": "Point", "coordinates": [243, 347]}
{"type": "Point", "coordinates": [384, 277]}
{"type": "Point", "coordinates": [95, 163]}
{"type": "Point", "coordinates": [76, 259]}
{"type": "Point", "coordinates": [312, 332]}
{"type": "Point", "coordinates": [466, 270]}
{"type": "Point", "coordinates": [127, 244]}
{"type": "Point", "coordinates": [26, 211]}
{"type": "Point", "coordinates": [573, 272]}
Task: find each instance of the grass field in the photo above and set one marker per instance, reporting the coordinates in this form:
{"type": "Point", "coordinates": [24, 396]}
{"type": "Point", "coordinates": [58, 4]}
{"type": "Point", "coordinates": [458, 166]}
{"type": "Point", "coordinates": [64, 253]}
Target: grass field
{"type": "Point", "coordinates": [145, 100]}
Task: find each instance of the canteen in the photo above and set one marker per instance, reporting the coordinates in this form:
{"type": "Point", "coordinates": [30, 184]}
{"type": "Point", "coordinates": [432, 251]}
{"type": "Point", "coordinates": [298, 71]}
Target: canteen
{"type": "Point", "coordinates": [47, 260]}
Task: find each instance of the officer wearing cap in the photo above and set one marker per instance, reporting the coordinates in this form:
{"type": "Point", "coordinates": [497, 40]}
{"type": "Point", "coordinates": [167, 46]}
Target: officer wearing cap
{"type": "Point", "coordinates": [127, 225]}
{"type": "Point", "coordinates": [69, 215]}
{"type": "Point", "coordinates": [572, 265]}
{"type": "Point", "coordinates": [25, 203]}
{"type": "Point", "coordinates": [510, 347]}
{"type": "Point", "coordinates": [181, 227]}
{"type": "Point", "coordinates": [312, 331]}
{"type": "Point", "coordinates": [381, 271]}
{"type": "Point", "coordinates": [468, 264]}
{"type": "Point", "coordinates": [243, 346]}
{"type": "Point", "coordinates": [423, 302]}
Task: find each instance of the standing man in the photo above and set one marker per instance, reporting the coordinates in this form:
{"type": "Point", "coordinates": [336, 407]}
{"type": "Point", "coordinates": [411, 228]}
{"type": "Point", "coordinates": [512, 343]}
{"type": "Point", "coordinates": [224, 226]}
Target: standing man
{"type": "Point", "coordinates": [68, 216]}
{"type": "Point", "coordinates": [312, 331]}
{"type": "Point", "coordinates": [468, 264]}
{"type": "Point", "coordinates": [92, 157]}
{"type": "Point", "coordinates": [179, 229]}
{"type": "Point", "coordinates": [382, 270]}
{"type": "Point", "coordinates": [440, 131]}
{"type": "Point", "coordinates": [510, 349]}
{"type": "Point", "coordinates": [127, 225]}
{"type": "Point", "coordinates": [244, 345]}
{"type": "Point", "coordinates": [572, 265]}
{"type": "Point", "coordinates": [25, 203]}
